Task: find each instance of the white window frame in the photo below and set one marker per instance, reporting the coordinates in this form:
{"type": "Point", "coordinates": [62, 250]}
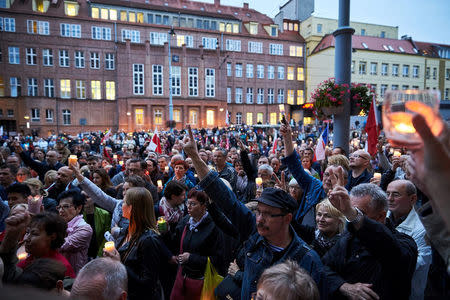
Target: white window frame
{"type": "Point", "coordinates": [138, 79]}
{"type": "Point", "coordinates": [35, 115]}
{"type": "Point", "coordinates": [31, 56]}
{"type": "Point", "coordinates": [209, 43]}
{"type": "Point", "coordinates": [38, 27]}
{"type": "Point", "coordinates": [233, 45]}
{"type": "Point", "coordinates": [238, 70]}
{"type": "Point", "coordinates": [395, 68]}
{"type": "Point", "coordinates": [249, 95]}
{"type": "Point", "coordinates": [249, 70]}
{"type": "Point", "coordinates": [110, 90]}
{"type": "Point", "coordinates": [260, 96]}
{"type": "Point", "coordinates": [15, 86]}
{"type": "Point", "coordinates": [64, 60]}
{"type": "Point", "coordinates": [255, 47]}
{"type": "Point", "coordinates": [229, 69]}
{"type": "Point", "coordinates": [8, 24]}
{"type": "Point", "coordinates": [193, 81]}
{"type": "Point", "coordinates": [64, 89]}
{"type": "Point", "coordinates": [176, 80]}
{"type": "Point", "coordinates": [271, 72]}
{"type": "Point", "coordinates": [70, 30]}
{"type": "Point", "coordinates": [280, 73]}
{"type": "Point", "coordinates": [49, 115]}
{"type": "Point", "coordinates": [110, 63]}
{"type": "Point", "coordinates": [238, 118]}
{"type": "Point", "coordinates": [32, 89]}
{"type": "Point", "coordinates": [14, 55]}
{"type": "Point", "coordinates": [270, 95]}
{"type": "Point", "coordinates": [405, 71]}
{"type": "Point", "coordinates": [158, 80]}
{"type": "Point", "coordinates": [79, 59]}
{"type": "Point", "coordinates": [133, 35]}
{"type": "Point", "coordinates": [373, 68]}
{"type": "Point", "coordinates": [384, 69]}
{"type": "Point", "coordinates": [158, 38]}
{"type": "Point", "coordinates": [276, 49]}
{"type": "Point", "coordinates": [280, 96]}
{"type": "Point", "coordinates": [101, 33]}
{"type": "Point", "coordinates": [229, 94]}
{"type": "Point", "coordinates": [67, 117]}
{"type": "Point", "coordinates": [80, 89]}
{"type": "Point", "coordinates": [96, 90]}
{"type": "Point", "coordinates": [95, 60]}
{"type": "Point", "coordinates": [49, 87]}
{"type": "Point", "coordinates": [47, 57]}
{"type": "Point", "coordinates": [260, 71]}
{"type": "Point", "coordinates": [416, 71]}
{"type": "Point", "coordinates": [238, 95]}
{"type": "Point", "coordinates": [210, 82]}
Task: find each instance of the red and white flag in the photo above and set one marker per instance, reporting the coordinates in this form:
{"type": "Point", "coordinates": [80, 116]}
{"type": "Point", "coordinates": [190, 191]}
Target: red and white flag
{"type": "Point", "coordinates": [319, 153]}
{"type": "Point", "coordinates": [106, 136]}
{"type": "Point", "coordinates": [372, 129]}
{"type": "Point", "coordinates": [155, 144]}
{"type": "Point", "coordinates": [275, 142]}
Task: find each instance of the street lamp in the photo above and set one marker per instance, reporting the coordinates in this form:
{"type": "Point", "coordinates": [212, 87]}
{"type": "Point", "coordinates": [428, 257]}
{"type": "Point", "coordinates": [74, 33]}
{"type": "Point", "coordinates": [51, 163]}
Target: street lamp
{"type": "Point", "coordinates": [170, 123]}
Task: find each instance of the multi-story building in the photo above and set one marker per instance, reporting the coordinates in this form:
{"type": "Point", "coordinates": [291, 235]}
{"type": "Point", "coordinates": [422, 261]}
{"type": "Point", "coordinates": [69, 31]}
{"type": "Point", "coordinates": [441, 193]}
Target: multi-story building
{"type": "Point", "coordinates": [71, 66]}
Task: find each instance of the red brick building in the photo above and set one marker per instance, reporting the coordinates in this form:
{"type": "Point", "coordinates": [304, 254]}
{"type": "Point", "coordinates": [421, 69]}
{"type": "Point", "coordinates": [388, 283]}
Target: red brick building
{"type": "Point", "coordinates": [71, 66]}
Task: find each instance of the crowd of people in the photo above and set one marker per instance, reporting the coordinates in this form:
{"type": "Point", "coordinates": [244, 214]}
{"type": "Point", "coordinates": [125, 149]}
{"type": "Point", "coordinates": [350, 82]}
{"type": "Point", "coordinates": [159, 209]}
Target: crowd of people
{"type": "Point", "coordinates": [116, 216]}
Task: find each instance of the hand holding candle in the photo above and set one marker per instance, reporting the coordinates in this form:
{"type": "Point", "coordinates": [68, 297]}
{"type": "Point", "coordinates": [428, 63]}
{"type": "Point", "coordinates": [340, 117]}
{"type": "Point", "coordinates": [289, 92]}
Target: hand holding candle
{"type": "Point", "coordinates": [258, 181]}
{"type": "Point", "coordinates": [73, 160]}
{"type": "Point", "coordinates": [377, 176]}
{"type": "Point", "coordinates": [159, 182]}
{"type": "Point", "coordinates": [109, 246]}
{"type": "Point", "coordinates": [22, 256]}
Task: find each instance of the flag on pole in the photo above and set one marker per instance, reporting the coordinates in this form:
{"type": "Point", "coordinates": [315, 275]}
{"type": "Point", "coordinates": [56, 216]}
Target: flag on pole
{"type": "Point", "coordinates": [106, 136]}
{"type": "Point", "coordinates": [319, 154]}
{"type": "Point", "coordinates": [275, 143]}
{"type": "Point", "coordinates": [155, 144]}
{"type": "Point", "coordinates": [227, 118]}
{"type": "Point", "coordinates": [372, 129]}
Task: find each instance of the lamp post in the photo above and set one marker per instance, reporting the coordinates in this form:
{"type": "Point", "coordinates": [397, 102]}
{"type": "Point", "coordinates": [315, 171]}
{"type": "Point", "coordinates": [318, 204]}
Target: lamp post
{"type": "Point", "coordinates": [170, 123]}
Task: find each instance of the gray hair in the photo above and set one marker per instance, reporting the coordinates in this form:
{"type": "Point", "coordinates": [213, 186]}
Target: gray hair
{"type": "Point", "coordinates": [410, 188]}
{"type": "Point", "coordinates": [378, 198]}
{"type": "Point", "coordinates": [114, 274]}
{"type": "Point", "coordinates": [266, 167]}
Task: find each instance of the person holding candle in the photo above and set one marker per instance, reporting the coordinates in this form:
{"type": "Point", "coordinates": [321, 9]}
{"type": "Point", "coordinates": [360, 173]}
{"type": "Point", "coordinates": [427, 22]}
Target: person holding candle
{"type": "Point", "coordinates": [37, 189]}
{"type": "Point", "coordinates": [172, 206]}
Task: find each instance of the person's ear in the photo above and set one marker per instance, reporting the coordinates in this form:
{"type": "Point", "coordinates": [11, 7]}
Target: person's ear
{"type": "Point", "coordinates": [413, 199]}
{"type": "Point", "coordinates": [59, 286]}
{"type": "Point", "coordinates": [289, 218]}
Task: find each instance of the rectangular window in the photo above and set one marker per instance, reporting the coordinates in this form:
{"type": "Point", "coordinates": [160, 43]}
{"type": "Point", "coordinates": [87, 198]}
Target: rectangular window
{"type": "Point", "coordinates": [176, 81]}
{"type": "Point", "coordinates": [138, 79]}
{"type": "Point", "coordinates": [209, 43]}
{"type": "Point", "coordinates": [363, 31]}
{"type": "Point", "coordinates": [296, 51]}
{"type": "Point", "coordinates": [133, 35]}
{"type": "Point", "coordinates": [101, 33]}
{"type": "Point", "coordinates": [405, 72]}
{"type": "Point", "coordinates": [49, 88]}
{"type": "Point", "coordinates": [415, 87]}
{"type": "Point", "coordinates": [384, 69]}
{"type": "Point", "coordinates": [353, 67]}
{"type": "Point", "coordinates": [255, 47]}
{"type": "Point", "coordinates": [270, 72]}
{"type": "Point", "coordinates": [32, 87]}
{"type": "Point", "coordinates": [31, 56]}
{"type": "Point", "coordinates": [10, 113]}
{"type": "Point", "coordinates": [79, 59]}
{"type": "Point", "coordinates": [416, 71]}
{"type": "Point", "coordinates": [80, 87]}
{"type": "Point", "coordinates": [64, 87]}
{"type": "Point", "coordinates": [38, 27]}
{"type": "Point", "coordinates": [259, 118]}
{"type": "Point", "coordinates": [373, 68]}
{"type": "Point", "coordinates": [239, 118]}
{"type": "Point", "coordinates": [187, 40]}
{"type": "Point", "coordinates": [95, 60]}
{"type": "Point", "coordinates": [229, 70]}
{"type": "Point", "coordinates": [109, 61]}
{"type": "Point", "coordinates": [70, 30]}
{"type": "Point", "coordinates": [276, 49]}
{"type": "Point", "coordinates": [2, 88]}
{"type": "Point", "coordinates": [210, 82]}
{"type": "Point", "coordinates": [177, 115]}
{"type": "Point", "coordinates": [193, 116]}
{"type": "Point", "coordinates": [273, 118]}
{"type": "Point", "coordinates": [260, 71]}
{"type": "Point", "coordinates": [15, 87]}
{"type": "Point", "coordinates": [14, 55]}
{"type": "Point", "coordinates": [229, 95]}
{"type": "Point", "coordinates": [427, 73]}
{"type": "Point", "coordinates": [290, 97]}
{"type": "Point", "coordinates": [434, 73]}
{"type": "Point", "coordinates": [64, 58]}
{"type": "Point", "coordinates": [96, 91]}
{"type": "Point", "coordinates": [280, 73]}
{"type": "Point", "coordinates": [193, 82]}
{"type": "Point", "coordinates": [253, 28]}
{"type": "Point", "coordinates": [47, 57]}
{"type": "Point", "coordinates": [300, 97]}
{"type": "Point", "coordinates": [394, 87]}
{"type": "Point", "coordinates": [209, 117]}
{"type": "Point", "coordinates": [157, 116]}
{"type": "Point", "coordinates": [249, 71]}
{"type": "Point", "coordinates": [249, 95]}
{"type": "Point", "coordinates": [49, 115]}
{"type": "Point", "coordinates": [95, 12]}
{"type": "Point", "coordinates": [405, 87]}
{"type": "Point", "coordinates": [395, 70]}
{"type": "Point", "coordinates": [290, 73]}
{"type": "Point", "coordinates": [446, 94]}
{"type": "Point", "coordinates": [157, 79]}
{"type": "Point", "coordinates": [238, 68]}
{"type": "Point", "coordinates": [35, 115]}
{"type": "Point", "coordinates": [113, 14]}
{"type": "Point", "coordinates": [7, 24]}
{"type": "Point", "coordinates": [233, 45]}
{"type": "Point", "coordinates": [383, 89]}
{"type": "Point", "coordinates": [249, 118]}
{"type": "Point", "coordinates": [270, 96]}
{"type": "Point", "coordinates": [300, 74]}
{"type": "Point", "coordinates": [260, 96]}
{"type": "Point", "coordinates": [362, 67]}
{"type": "Point", "coordinates": [280, 96]}
{"type": "Point", "coordinates": [110, 89]}
{"type": "Point", "coordinates": [158, 38]}
{"type": "Point", "coordinates": [71, 9]}
{"type": "Point", "coordinates": [238, 95]}
{"type": "Point", "coordinates": [66, 117]}
{"type": "Point", "coordinates": [319, 28]}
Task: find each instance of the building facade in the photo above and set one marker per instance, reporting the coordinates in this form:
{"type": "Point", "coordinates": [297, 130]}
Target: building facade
{"type": "Point", "coordinates": [72, 66]}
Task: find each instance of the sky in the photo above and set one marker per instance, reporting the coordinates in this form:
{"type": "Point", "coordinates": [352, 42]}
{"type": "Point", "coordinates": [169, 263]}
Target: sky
{"type": "Point", "coordinates": [423, 20]}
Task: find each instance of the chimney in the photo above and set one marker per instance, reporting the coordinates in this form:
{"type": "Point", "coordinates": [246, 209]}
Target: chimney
{"type": "Point", "coordinates": [216, 3]}
{"type": "Point", "coordinates": [245, 5]}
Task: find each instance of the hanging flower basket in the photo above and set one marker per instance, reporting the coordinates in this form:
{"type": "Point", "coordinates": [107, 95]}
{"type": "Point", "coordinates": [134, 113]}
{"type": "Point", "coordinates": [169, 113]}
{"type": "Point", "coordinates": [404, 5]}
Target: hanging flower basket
{"type": "Point", "coordinates": [361, 98]}
{"type": "Point", "coordinates": [333, 110]}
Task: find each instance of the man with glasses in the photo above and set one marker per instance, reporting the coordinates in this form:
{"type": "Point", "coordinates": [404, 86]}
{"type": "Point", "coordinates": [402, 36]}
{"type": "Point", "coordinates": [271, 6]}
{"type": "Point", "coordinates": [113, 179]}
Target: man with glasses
{"type": "Point", "coordinates": [359, 164]}
{"type": "Point", "coordinates": [267, 237]}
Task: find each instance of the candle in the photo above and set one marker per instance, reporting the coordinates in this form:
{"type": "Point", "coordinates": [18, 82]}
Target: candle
{"type": "Point", "coordinates": [22, 256]}
{"type": "Point", "coordinates": [377, 176]}
{"type": "Point", "coordinates": [391, 151]}
{"type": "Point", "coordinates": [258, 181]}
{"type": "Point", "coordinates": [159, 182]}
{"type": "Point", "coordinates": [166, 169]}
{"type": "Point", "coordinates": [162, 224]}
{"type": "Point", "coordinates": [121, 162]}
{"type": "Point", "coordinates": [397, 153]}
{"type": "Point", "coordinates": [115, 156]}
{"type": "Point", "coordinates": [73, 160]}
{"type": "Point", "coordinates": [109, 246]}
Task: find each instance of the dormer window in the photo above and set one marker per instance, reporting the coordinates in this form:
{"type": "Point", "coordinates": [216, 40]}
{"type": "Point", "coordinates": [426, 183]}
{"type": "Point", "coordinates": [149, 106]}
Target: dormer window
{"type": "Point", "coordinates": [385, 47]}
{"type": "Point", "coordinates": [71, 8]}
{"type": "Point", "coordinates": [273, 31]}
{"type": "Point", "coordinates": [253, 28]}
{"type": "Point", "coordinates": [401, 49]}
{"type": "Point", "coordinates": [390, 48]}
{"type": "Point", "coordinates": [41, 5]}
{"type": "Point", "coordinates": [364, 45]}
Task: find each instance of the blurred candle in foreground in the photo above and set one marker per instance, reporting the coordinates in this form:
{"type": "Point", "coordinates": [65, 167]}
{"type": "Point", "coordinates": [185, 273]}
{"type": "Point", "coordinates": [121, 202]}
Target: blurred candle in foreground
{"type": "Point", "coordinates": [109, 246]}
{"type": "Point", "coordinates": [115, 156]}
{"type": "Point", "coordinates": [377, 176]}
{"type": "Point", "coordinates": [72, 159]}
{"type": "Point", "coordinates": [159, 182]}
{"type": "Point", "coordinates": [22, 255]}
{"type": "Point", "coordinates": [258, 181]}
{"type": "Point", "coordinates": [121, 162]}
{"type": "Point", "coordinates": [397, 153]}
{"type": "Point", "coordinates": [166, 169]}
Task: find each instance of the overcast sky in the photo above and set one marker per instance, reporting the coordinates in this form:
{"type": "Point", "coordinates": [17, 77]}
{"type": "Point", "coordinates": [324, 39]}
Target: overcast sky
{"type": "Point", "coordinates": [427, 21]}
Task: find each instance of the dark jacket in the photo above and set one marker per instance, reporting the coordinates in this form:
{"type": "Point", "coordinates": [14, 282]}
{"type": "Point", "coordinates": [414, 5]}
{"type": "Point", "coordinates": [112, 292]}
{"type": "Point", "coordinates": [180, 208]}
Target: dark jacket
{"type": "Point", "coordinates": [363, 178]}
{"type": "Point", "coordinates": [252, 173]}
{"type": "Point", "coordinates": [375, 254]}
{"type": "Point", "coordinates": [308, 234]}
{"type": "Point", "coordinates": [40, 167]}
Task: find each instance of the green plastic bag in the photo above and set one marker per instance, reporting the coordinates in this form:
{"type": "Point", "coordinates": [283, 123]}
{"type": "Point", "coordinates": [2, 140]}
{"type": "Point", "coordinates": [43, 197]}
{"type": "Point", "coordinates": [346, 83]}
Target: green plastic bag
{"type": "Point", "coordinates": [211, 281]}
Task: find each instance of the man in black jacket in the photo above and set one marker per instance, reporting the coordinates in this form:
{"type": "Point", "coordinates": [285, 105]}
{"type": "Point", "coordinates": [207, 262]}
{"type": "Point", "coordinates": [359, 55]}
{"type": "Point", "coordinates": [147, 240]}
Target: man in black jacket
{"type": "Point", "coordinates": [359, 164]}
{"type": "Point", "coordinates": [371, 259]}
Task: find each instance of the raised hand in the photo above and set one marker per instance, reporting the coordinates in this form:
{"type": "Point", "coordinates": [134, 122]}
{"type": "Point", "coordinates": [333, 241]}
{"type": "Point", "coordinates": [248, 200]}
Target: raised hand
{"type": "Point", "coordinates": [189, 145]}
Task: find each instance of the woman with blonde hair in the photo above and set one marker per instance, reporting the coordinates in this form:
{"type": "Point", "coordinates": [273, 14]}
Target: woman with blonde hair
{"type": "Point", "coordinates": [141, 250]}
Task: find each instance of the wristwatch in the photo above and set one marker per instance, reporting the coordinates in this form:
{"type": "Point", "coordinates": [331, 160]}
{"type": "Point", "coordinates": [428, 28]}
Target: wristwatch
{"type": "Point", "coordinates": [358, 217]}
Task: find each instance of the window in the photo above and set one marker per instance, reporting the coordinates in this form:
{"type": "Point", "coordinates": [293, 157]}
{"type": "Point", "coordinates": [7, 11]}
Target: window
{"type": "Point", "coordinates": [384, 69]}
{"type": "Point", "coordinates": [229, 70]}
{"type": "Point", "coordinates": [110, 89]}
{"type": "Point", "coordinates": [7, 24]}
{"type": "Point", "coordinates": [280, 95]}
{"type": "Point", "coordinates": [209, 43]}
{"type": "Point", "coordinates": [395, 70]}
{"type": "Point", "coordinates": [47, 57]}
{"type": "Point", "coordinates": [394, 87]}
{"type": "Point", "coordinates": [176, 81]}
{"type": "Point", "coordinates": [193, 82]}
{"type": "Point", "coordinates": [80, 87]}
{"type": "Point", "coordinates": [2, 88]}
{"type": "Point", "coordinates": [233, 45]}
{"type": "Point", "coordinates": [270, 72]}
{"type": "Point", "coordinates": [109, 61]}
{"type": "Point", "coordinates": [14, 55]}
{"type": "Point", "coordinates": [259, 118]}
{"type": "Point", "coordinates": [70, 30]}
{"type": "Point", "coordinates": [434, 73]}
{"type": "Point", "coordinates": [276, 49]}
{"type": "Point", "coordinates": [193, 116]}
{"type": "Point", "coordinates": [177, 115]}
{"type": "Point", "coordinates": [296, 51]}
{"type": "Point", "coordinates": [300, 74]}
{"type": "Point", "coordinates": [260, 71]}
{"type": "Point", "coordinates": [79, 59]}
{"type": "Point", "coordinates": [447, 73]}
{"type": "Point", "coordinates": [32, 87]}
{"type": "Point", "coordinates": [113, 14]}
{"type": "Point", "coordinates": [415, 87]}
{"type": "Point", "coordinates": [187, 40]}
{"type": "Point", "coordinates": [405, 87]}
{"type": "Point", "coordinates": [363, 31]}
{"type": "Point", "coordinates": [416, 71]}
{"type": "Point", "coordinates": [427, 73]}
{"type": "Point", "coordinates": [249, 71]}
{"type": "Point", "coordinates": [209, 117]}
{"type": "Point", "coordinates": [210, 82]}
{"type": "Point", "coordinates": [49, 88]}
{"type": "Point", "coordinates": [383, 34]}
{"type": "Point", "coordinates": [239, 118]}
{"type": "Point", "coordinates": [273, 118]}
{"type": "Point", "coordinates": [157, 116]}
{"type": "Point", "coordinates": [280, 73]}
{"type": "Point", "coordinates": [373, 68]}
{"type": "Point", "coordinates": [290, 97]}
{"type": "Point", "coordinates": [270, 96]}
{"type": "Point", "coordinates": [238, 95]}
{"type": "Point", "coordinates": [157, 79]}
{"type": "Point", "coordinates": [319, 28]}
{"type": "Point", "coordinates": [249, 118]}
{"type": "Point", "coordinates": [133, 35]}
{"type": "Point", "coordinates": [38, 27]}
{"type": "Point", "coordinates": [300, 97]}
{"type": "Point", "coordinates": [229, 96]}
{"type": "Point", "coordinates": [35, 115]}
{"type": "Point", "coordinates": [96, 92]}
{"type": "Point", "coordinates": [71, 8]}
{"type": "Point", "coordinates": [14, 85]}
{"type": "Point", "coordinates": [446, 94]}
{"type": "Point", "coordinates": [64, 58]}
{"type": "Point", "coordinates": [238, 68]}
{"type": "Point", "coordinates": [273, 31]}
{"type": "Point", "coordinates": [253, 28]}
{"type": "Point", "coordinates": [31, 56]}
{"type": "Point", "coordinates": [95, 13]}
{"type": "Point", "coordinates": [101, 33]}
{"type": "Point", "coordinates": [64, 87]}
{"type": "Point", "coordinates": [49, 115]}
{"type": "Point", "coordinates": [255, 47]}
{"type": "Point", "coordinates": [405, 71]}
{"type": "Point", "coordinates": [11, 113]}
{"type": "Point", "coordinates": [249, 95]}
{"type": "Point", "coordinates": [362, 67]}
{"type": "Point", "coordinates": [158, 38]}
{"type": "Point", "coordinates": [95, 60]}
{"type": "Point", "coordinates": [290, 73]}
{"type": "Point", "coordinates": [66, 117]}
{"type": "Point", "coordinates": [138, 79]}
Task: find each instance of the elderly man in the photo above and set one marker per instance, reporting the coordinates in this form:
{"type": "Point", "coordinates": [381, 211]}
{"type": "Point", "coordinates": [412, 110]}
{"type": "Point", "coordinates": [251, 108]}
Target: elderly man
{"type": "Point", "coordinates": [359, 163]}
{"type": "Point", "coordinates": [265, 172]}
{"type": "Point", "coordinates": [268, 238]}
{"type": "Point", "coordinates": [371, 259]}
{"type": "Point", "coordinates": [63, 183]}
{"type": "Point", "coordinates": [402, 196]}
{"type": "Point", "coordinates": [225, 171]}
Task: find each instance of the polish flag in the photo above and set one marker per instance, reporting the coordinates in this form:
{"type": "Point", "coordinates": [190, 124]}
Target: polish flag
{"type": "Point", "coordinates": [155, 144]}
{"type": "Point", "coordinates": [372, 129]}
{"type": "Point", "coordinates": [319, 154]}
{"type": "Point", "coordinates": [106, 136]}
{"type": "Point", "coordinates": [275, 143]}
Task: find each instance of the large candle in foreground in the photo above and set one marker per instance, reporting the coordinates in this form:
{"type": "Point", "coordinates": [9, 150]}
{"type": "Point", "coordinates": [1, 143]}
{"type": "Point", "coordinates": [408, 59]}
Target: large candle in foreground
{"type": "Point", "coordinates": [72, 159]}
{"type": "Point", "coordinates": [397, 153]}
{"type": "Point", "coordinates": [258, 181]}
{"type": "Point", "coordinates": [377, 176]}
{"type": "Point", "coordinates": [162, 224]}
{"type": "Point", "coordinates": [22, 255]}
{"type": "Point", "coordinates": [109, 246]}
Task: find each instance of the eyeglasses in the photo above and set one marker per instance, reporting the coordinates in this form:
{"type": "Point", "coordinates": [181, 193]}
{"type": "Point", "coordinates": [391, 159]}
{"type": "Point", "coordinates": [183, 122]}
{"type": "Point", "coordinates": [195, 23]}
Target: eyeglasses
{"type": "Point", "coordinates": [265, 214]}
{"type": "Point", "coordinates": [358, 156]}
{"type": "Point", "coordinates": [65, 206]}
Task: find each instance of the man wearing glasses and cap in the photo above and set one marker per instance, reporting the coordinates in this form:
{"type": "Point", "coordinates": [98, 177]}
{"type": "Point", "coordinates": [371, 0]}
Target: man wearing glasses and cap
{"type": "Point", "coordinates": [267, 236]}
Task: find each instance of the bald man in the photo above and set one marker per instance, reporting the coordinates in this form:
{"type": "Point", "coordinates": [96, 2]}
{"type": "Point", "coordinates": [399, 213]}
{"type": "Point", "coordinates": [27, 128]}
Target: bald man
{"type": "Point", "coordinates": [359, 164]}
{"type": "Point", "coordinates": [63, 183]}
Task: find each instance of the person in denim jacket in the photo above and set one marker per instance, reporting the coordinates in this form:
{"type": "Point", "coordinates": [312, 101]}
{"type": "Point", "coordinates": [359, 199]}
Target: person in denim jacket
{"type": "Point", "coordinates": [268, 238]}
